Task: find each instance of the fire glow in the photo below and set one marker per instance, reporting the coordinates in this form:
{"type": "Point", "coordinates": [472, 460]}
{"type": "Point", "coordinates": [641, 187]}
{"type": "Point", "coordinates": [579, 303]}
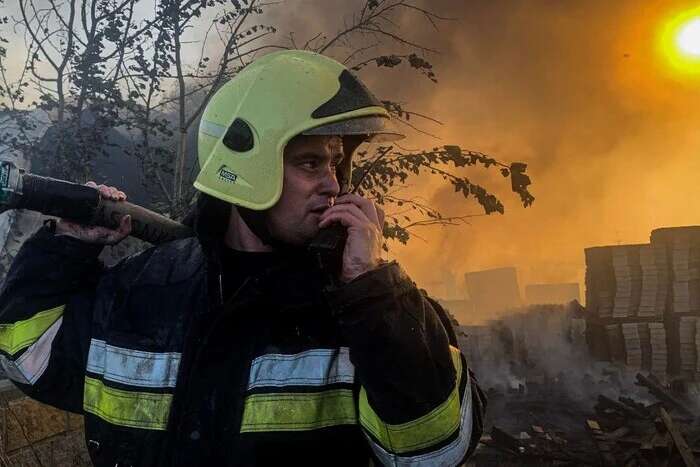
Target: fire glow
{"type": "Point", "coordinates": [680, 42]}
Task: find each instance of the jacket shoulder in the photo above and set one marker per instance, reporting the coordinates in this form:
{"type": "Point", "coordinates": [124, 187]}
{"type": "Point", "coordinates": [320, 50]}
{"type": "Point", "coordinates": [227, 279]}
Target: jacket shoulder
{"type": "Point", "coordinates": [169, 263]}
{"type": "Point", "coordinates": [446, 318]}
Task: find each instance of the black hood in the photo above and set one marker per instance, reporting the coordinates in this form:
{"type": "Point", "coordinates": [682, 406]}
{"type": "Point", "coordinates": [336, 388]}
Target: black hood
{"type": "Point", "coordinates": [209, 218]}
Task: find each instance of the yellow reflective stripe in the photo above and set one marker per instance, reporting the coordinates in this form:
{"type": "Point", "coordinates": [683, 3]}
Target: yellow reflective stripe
{"type": "Point", "coordinates": [127, 408]}
{"type": "Point", "coordinates": [20, 335]}
{"type": "Point", "coordinates": [422, 432]}
{"type": "Point", "coordinates": [298, 411]}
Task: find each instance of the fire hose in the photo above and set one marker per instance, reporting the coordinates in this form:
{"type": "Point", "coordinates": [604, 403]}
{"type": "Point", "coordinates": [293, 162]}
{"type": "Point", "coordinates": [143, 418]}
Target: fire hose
{"type": "Point", "coordinates": [82, 204]}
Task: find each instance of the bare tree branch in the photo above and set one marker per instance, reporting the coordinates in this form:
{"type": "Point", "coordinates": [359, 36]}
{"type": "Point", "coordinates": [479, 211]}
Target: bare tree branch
{"type": "Point", "coordinates": [456, 220]}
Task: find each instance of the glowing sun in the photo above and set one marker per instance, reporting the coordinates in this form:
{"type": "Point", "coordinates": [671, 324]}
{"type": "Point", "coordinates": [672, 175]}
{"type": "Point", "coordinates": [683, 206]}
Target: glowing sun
{"type": "Point", "coordinates": [688, 38]}
{"type": "Point", "coordinates": [679, 42]}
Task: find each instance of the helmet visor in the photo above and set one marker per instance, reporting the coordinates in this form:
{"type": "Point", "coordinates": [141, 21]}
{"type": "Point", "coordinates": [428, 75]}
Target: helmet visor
{"type": "Point", "coordinates": [374, 128]}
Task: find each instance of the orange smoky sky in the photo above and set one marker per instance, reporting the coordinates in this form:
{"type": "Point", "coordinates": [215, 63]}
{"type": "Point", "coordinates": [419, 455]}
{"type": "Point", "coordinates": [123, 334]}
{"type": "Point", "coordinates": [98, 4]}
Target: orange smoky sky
{"type": "Point", "coordinates": [576, 89]}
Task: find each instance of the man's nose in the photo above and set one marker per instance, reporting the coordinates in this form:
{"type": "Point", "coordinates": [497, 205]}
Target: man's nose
{"type": "Point", "coordinates": [329, 184]}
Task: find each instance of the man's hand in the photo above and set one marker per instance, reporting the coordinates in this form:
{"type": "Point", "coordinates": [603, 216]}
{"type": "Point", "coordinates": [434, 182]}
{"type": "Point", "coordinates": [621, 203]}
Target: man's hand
{"type": "Point", "coordinates": [97, 234]}
{"type": "Point", "coordinates": [364, 222]}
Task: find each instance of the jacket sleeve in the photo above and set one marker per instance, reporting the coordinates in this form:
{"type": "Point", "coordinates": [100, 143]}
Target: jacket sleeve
{"type": "Point", "coordinates": [45, 317]}
{"type": "Point", "coordinates": [419, 403]}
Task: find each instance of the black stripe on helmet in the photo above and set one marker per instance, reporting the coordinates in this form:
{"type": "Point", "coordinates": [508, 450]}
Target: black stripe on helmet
{"type": "Point", "coordinates": [352, 95]}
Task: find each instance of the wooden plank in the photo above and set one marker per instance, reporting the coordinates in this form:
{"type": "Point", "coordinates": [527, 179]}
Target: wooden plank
{"type": "Point", "coordinates": [604, 448]}
{"type": "Point", "coordinates": [655, 387]}
{"type": "Point", "coordinates": [605, 402]}
{"type": "Point", "coordinates": [678, 439]}
{"type": "Point", "coordinates": [593, 425]}
{"type": "Point", "coordinates": [507, 441]}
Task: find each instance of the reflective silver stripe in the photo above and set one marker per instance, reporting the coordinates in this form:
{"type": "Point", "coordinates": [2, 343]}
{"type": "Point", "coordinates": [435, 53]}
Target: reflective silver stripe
{"type": "Point", "coordinates": [211, 128]}
{"type": "Point", "coordinates": [450, 454]}
{"type": "Point", "coordinates": [133, 367]}
{"type": "Point", "coordinates": [29, 367]}
{"type": "Point", "coordinates": [315, 367]}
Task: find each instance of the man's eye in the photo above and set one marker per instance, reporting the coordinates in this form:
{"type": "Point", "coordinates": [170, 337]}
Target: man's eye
{"type": "Point", "coordinates": [313, 164]}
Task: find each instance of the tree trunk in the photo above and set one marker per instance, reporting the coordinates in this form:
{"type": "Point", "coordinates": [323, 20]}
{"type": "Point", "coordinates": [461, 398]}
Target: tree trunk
{"type": "Point", "coordinates": [181, 154]}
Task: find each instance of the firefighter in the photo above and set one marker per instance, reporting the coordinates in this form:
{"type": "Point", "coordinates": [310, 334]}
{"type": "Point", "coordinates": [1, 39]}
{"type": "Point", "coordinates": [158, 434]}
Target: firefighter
{"type": "Point", "coordinates": [231, 347]}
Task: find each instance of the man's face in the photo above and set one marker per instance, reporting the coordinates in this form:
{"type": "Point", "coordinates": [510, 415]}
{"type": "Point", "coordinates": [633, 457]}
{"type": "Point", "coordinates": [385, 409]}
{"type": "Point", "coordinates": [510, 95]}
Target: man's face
{"type": "Point", "coordinates": [310, 187]}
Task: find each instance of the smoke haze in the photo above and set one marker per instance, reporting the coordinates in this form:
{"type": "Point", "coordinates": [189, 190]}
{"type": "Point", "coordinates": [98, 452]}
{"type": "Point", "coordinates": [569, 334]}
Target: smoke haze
{"type": "Point", "coordinates": [577, 90]}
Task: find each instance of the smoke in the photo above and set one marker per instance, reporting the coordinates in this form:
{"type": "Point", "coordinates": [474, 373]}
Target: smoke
{"type": "Point", "coordinates": [541, 350]}
{"type": "Point", "coordinates": [578, 91]}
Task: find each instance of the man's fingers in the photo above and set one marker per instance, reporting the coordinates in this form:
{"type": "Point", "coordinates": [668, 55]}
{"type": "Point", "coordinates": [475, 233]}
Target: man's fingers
{"type": "Point", "coordinates": [94, 233]}
{"type": "Point", "coordinates": [110, 236]}
{"type": "Point", "coordinates": [348, 215]}
{"type": "Point", "coordinates": [98, 234]}
{"type": "Point", "coordinates": [125, 225]}
{"type": "Point", "coordinates": [353, 212]}
{"type": "Point", "coordinates": [104, 191]}
{"type": "Point", "coordinates": [112, 193]}
{"type": "Point", "coordinates": [108, 192]}
{"type": "Point", "coordinates": [367, 206]}
{"type": "Point", "coordinates": [343, 218]}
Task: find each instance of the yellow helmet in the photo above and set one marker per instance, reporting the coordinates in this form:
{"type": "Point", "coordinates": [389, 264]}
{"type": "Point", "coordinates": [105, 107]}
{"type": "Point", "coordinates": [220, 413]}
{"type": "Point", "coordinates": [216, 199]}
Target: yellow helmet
{"type": "Point", "coordinates": [249, 121]}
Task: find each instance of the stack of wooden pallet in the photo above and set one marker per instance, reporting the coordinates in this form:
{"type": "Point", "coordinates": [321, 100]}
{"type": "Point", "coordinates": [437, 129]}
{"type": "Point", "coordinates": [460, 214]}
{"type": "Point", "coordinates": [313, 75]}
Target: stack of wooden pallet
{"type": "Point", "coordinates": [600, 282]}
{"type": "Point", "coordinates": [659, 349]}
{"type": "Point", "coordinates": [654, 267]}
{"type": "Point", "coordinates": [616, 342]}
{"type": "Point", "coordinates": [697, 348]}
{"type": "Point", "coordinates": [622, 306]}
{"type": "Point", "coordinates": [687, 329]}
{"type": "Point", "coordinates": [633, 346]}
{"type": "Point", "coordinates": [614, 281]}
{"type": "Point", "coordinates": [645, 344]}
{"type": "Point", "coordinates": [643, 302]}
{"type": "Point", "coordinates": [682, 246]}
{"type": "Point", "coordinates": [680, 259]}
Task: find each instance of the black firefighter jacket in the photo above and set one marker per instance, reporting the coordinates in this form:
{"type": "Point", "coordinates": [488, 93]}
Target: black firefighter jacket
{"type": "Point", "coordinates": [167, 372]}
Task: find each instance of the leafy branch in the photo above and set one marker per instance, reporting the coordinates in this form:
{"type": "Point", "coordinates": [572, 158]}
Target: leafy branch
{"type": "Point", "coordinates": [376, 175]}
